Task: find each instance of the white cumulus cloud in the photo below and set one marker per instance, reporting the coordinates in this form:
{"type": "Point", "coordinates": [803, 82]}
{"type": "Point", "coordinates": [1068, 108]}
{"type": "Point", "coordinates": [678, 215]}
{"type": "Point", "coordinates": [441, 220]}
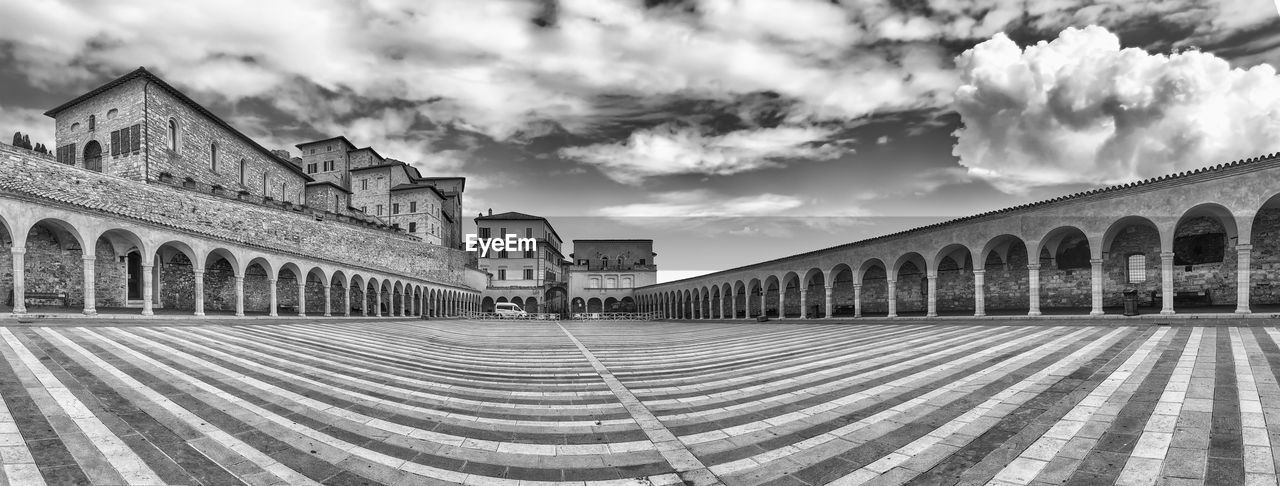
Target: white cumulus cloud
{"type": "Point", "coordinates": [1080, 109]}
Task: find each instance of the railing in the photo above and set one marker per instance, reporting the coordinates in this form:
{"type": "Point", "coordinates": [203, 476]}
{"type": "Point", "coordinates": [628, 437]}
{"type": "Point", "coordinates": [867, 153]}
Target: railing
{"type": "Point", "coordinates": [493, 316]}
{"type": "Point", "coordinates": [615, 316]}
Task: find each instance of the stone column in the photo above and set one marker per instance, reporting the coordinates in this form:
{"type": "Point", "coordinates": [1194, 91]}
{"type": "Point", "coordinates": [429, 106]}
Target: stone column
{"type": "Point", "coordinates": [1166, 281]}
{"type": "Point", "coordinates": [697, 309]}
{"type": "Point", "coordinates": [763, 309]}
{"type": "Point", "coordinates": [1244, 253]}
{"type": "Point", "coordinates": [19, 279]}
{"type": "Point", "coordinates": [782, 302]}
{"type": "Point", "coordinates": [932, 284]}
{"type": "Point", "coordinates": [239, 280]}
{"type": "Point", "coordinates": [857, 300]}
{"type": "Point", "coordinates": [804, 303]}
{"type": "Point", "coordinates": [346, 300]}
{"type": "Point", "coordinates": [90, 297]}
{"type": "Point", "coordinates": [302, 299]}
{"type": "Point", "coordinates": [404, 304]}
{"type": "Point", "coordinates": [377, 302]}
{"type": "Point", "coordinates": [829, 293]}
{"type": "Point", "coordinates": [148, 293]}
{"type": "Point", "coordinates": [979, 293]}
{"type": "Point", "coordinates": [893, 298]}
{"type": "Point", "coordinates": [1096, 264]}
{"type": "Point", "coordinates": [271, 311]}
{"type": "Point", "coordinates": [364, 302]}
{"type": "Point", "coordinates": [198, 275]}
{"type": "Point", "coordinates": [733, 307]}
{"type": "Point", "coordinates": [328, 302]}
{"type": "Point", "coordinates": [1033, 280]}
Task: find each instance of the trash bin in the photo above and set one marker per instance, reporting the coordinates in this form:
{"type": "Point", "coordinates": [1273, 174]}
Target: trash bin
{"type": "Point", "coordinates": [1131, 302]}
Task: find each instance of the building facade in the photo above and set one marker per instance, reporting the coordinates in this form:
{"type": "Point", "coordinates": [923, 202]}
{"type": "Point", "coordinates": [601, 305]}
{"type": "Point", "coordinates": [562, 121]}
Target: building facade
{"type": "Point", "coordinates": [535, 279]}
{"type": "Point", "coordinates": [152, 202]}
{"type": "Point", "coordinates": [605, 274]}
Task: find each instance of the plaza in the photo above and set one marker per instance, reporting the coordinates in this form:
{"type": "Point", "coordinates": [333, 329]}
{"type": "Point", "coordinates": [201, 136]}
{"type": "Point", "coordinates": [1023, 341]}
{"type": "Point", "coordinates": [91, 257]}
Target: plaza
{"type": "Point", "coordinates": [189, 400]}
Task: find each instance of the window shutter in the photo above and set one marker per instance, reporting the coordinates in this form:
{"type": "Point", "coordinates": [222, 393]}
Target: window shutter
{"type": "Point", "coordinates": [124, 141]}
{"type": "Point", "coordinates": [137, 138]}
{"type": "Point", "coordinates": [115, 143]}
{"type": "Point", "coordinates": [71, 154]}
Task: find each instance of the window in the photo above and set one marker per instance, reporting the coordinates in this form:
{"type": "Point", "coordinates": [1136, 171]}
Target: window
{"type": "Point", "coordinates": [626, 282]}
{"type": "Point", "coordinates": [502, 274]}
{"type": "Point", "coordinates": [484, 233]}
{"type": "Point", "coordinates": [313, 150]}
{"type": "Point", "coordinates": [413, 227]}
{"type": "Point", "coordinates": [328, 148]}
{"type": "Point", "coordinates": [67, 154]}
{"type": "Point", "coordinates": [126, 140]}
{"type": "Point", "coordinates": [213, 157]}
{"type": "Point", "coordinates": [328, 165]}
{"type": "Point", "coordinates": [413, 206]}
{"type": "Point", "coordinates": [1137, 268]}
{"type": "Point", "coordinates": [641, 261]}
{"type": "Point", "coordinates": [111, 114]}
{"type": "Point", "coordinates": [264, 185]}
{"type": "Point", "coordinates": [395, 208]}
{"type": "Point", "coordinates": [242, 171]}
{"type": "Point", "coordinates": [529, 254]}
{"type": "Point", "coordinates": [379, 210]}
{"type": "Point", "coordinates": [173, 135]}
{"type": "Point", "coordinates": [75, 126]}
{"type": "Point", "coordinates": [1199, 249]}
{"type": "Point", "coordinates": [528, 274]}
{"type": "Point", "coordinates": [92, 122]}
{"type": "Point", "coordinates": [311, 168]}
{"type": "Point", "coordinates": [284, 191]}
{"type": "Point", "coordinates": [364, 209]}
{"type": "Point", "coordinates": [528, 232]}
{"type": "Point", "coordinates": [337, 203]}
{"type": "Point", "coordinates": [364, 184]}
{"type": "Point", "coordinates": [502, 233]}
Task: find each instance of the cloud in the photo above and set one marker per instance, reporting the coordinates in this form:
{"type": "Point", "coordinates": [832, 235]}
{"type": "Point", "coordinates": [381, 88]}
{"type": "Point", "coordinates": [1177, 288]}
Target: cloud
{"type": "Point", "coordinates": [669, 150]}
{"type": "Point", "coordinates": [30, 122]}
{"type": "Point", "coordinates": [703, 204]}
{"type": "Point", "coordinates": [1080, 109]}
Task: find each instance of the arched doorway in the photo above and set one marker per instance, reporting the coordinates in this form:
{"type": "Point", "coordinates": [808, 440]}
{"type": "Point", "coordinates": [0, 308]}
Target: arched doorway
{"type": "Point", "coordinates": [93, 156]}
{"type": "Point", "coordinates": [556, 301]}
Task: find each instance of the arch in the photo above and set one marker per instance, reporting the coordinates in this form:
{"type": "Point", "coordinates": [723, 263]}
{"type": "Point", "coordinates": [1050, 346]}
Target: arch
{"type": "Point", "coordinates": [487, 304]}
{"type": "Point", "coordinates": [339, 293]}
{"type": "Point", "coordinates": [93, 156]}
{"type": "Point", "coordinates": [531, 305]}
{"type": "Point", "coordinates": [54, 265]}
{"type": "Point", "coordinates": [595, 305]}
{"type": "Point", "coordinates": [1204, 242]}
{"type": "Point", "coordinates": [313, 294]}
{"type": "Point", "coordinates": [1007, 281]}
{"type": "Point", "coordinates": [790, 295]}
{"type": "Point", "coordinates": [843, 278]}
{"type": "Point", "coordinates": [502, 300]}
{"type": "Point", "coordinates": [518, 301]}
{"type": "Point", "coordinates": [717, 303]}
{"type": "Point", "coordinates": [910, 284]}
{"type": "Point", "coordinates": [772, 287]}
{"type": "Point", "coordinates": [1124, 238]}
{"type": "Point", "coordinates": [953, 290]}
{"type": "Point", "coordinates": [610, 304]}
{"type": "Point", "coordinates": [174, 277]}
{"type": "Point", "coordinates": [578, 304]}
{"type": "Point", "coordinates": [385, 301]}
{"type": "Point", "coordinates": [814, 282]}
{"type": "Point", "coordinates": [397, 299]}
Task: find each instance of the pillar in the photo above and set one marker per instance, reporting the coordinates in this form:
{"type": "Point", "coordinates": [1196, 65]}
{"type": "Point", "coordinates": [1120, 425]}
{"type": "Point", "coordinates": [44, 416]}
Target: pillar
{"type": "Point", "coordinates": [829, 291]}
{"type": "Point", "coordinates": [328, 306]}
{"type": "Point", "coordinates": [804, 303]}
{"type": "Point", "coordinates": [1166, 281]}
{"type": "Point", "coordinates": [148, 293]}
{"type": "Point", "coordinates": [90, 301]}
{"type": "Point", "coordinates": [404, 304]}
{"type": "Point", "coordinates": [1096, 264]}
{"type": "Point", "coordinates": [763, 294]}
{"type": "Point", "coordinates": [302, 298]}
{"type": "Point", "coordinates": [364, 301]}
{"type": "Point", "coordinates": [19, 279]}
{"type": "Point", "coordinates": [733, 307]}
{"type": "Point", "coordinates": [782, 300]}
{"type": "Point", "coordinates": [932, 285]}
{"type": "Point", "coordinates": [271, 310]}
{"type": "Point", "coordinates": [893, 298]}
{"type": "Point", "coordinates": [1243, 255]}
{"type": "Point", "coordinates": [979, 292]}
{"type": "Point", "coordinates": [198, 275]}
{"type": "Point", "coordinates": [1033, 280]}
{"type": "Point", "coordinates": [346, 300]}
{"type": "Point", "coordinates": [239, 279]}
{"type": "Point", "coordinates": [857, 300]}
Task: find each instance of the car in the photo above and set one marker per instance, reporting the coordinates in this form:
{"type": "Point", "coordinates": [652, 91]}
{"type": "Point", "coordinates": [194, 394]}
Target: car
{"type": "Point", "coordinates": [507, 309]}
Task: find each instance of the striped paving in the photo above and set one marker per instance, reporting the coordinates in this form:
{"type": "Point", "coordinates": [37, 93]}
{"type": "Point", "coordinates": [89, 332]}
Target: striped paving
{"type": "Point", "coordinates": [458, 402]}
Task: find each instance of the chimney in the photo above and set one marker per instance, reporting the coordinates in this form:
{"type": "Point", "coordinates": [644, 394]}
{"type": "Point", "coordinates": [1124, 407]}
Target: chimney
{"type": "Point", "coordinates": [490, 211]}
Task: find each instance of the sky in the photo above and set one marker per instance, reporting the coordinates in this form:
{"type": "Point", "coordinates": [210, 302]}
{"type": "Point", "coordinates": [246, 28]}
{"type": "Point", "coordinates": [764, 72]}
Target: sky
{"type": "Point", "coordinates": [729, 132]}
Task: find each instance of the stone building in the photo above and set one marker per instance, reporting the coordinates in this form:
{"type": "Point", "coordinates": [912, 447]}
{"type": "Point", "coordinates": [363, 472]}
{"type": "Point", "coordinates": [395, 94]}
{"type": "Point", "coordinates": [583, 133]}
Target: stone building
{"type": "Point", "coordinates": [534, 280]}
{"type": "Point", "coordinates": [1196, 241]}
{"type": "Point", "coordinates": [605, 273]}
{"type": "Point", "coordinates": [152, 202]}
{"type": "Point", "coordinates": [388, 189]}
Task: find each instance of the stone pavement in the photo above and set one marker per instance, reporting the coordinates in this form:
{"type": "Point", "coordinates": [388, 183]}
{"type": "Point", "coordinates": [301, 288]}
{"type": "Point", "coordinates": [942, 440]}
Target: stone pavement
{"type": "Point", "coordinates": [460, 402]}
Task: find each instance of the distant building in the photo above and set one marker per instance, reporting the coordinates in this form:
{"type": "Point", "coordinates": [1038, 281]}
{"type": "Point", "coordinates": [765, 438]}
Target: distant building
{"type": "Point", "coordinates": [391, 190]}
{"type": "Point", "coordinates": [535, 280]}
{"type": "Point", "coordinates": [605, 273]}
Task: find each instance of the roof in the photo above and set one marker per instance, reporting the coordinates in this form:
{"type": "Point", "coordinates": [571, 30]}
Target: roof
{"type": "Point", "coordinates": [383, 165]}
{"type": "Point", "coordinates": [330, 139]}
{"type": "Point", "coordinates": [142, 73]}
{"type": "Point", "coordinates": [411, 186]}
{"type": "Point", "coordinates": [1154, 183]}
{"type": "Point", "coordinates": [329, 183]}
{"type": "Point", "coordinates": [461, 187]}
{"type": "Point", "coordinates": [516, 216]}
{"type": "Point", "coordinates": [375, 152]}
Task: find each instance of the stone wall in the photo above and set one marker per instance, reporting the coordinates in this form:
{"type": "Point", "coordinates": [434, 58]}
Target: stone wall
{"type": "Point", "coordinates": [288, 232]}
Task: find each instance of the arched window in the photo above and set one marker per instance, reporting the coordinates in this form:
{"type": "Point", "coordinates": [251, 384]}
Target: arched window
{"type": "Point", "coordinates": [92, 122]}
{"type": "Point", "coordinates": [284, 191]}
{"type": "Point", "coordinates": [173, 135]}
{"type": "Point", "coordinates": [1137, 268]}
{"type": "Point", "coordinates": [264, 185]}
{"type": "Point", "coordinates": [213, 156]}
{"type": "Point", "coordinates": [242, 171]}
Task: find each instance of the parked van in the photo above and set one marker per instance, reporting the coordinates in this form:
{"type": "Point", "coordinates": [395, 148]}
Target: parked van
{"type": "Point", "coordinates": [508, 309]}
